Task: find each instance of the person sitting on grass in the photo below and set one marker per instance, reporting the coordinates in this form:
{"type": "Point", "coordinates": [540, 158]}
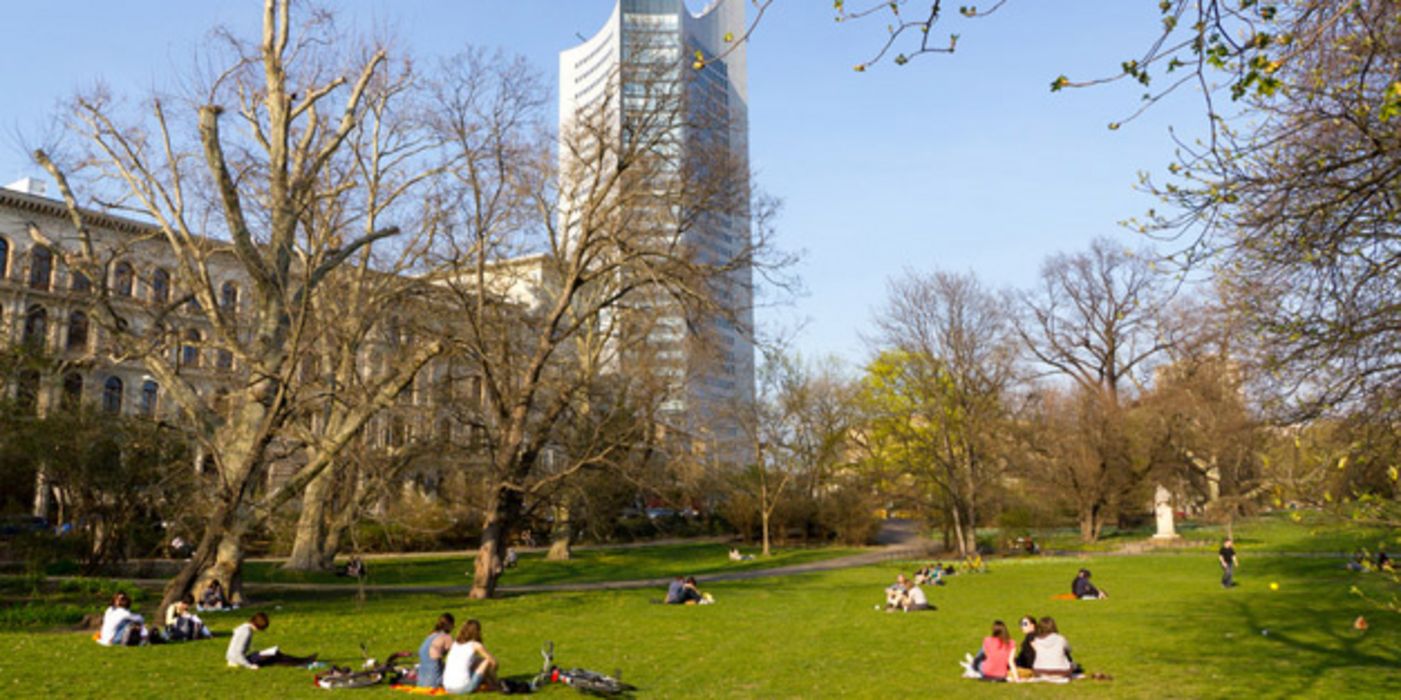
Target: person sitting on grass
{"type": "Point", "coordinates": [355, 568]}
{"type": "Point", "coordinates": [895, 594]}
{"type": "Point", "coordinates": [213, 597]}
{"type": "Point", "coordinates": [932, 574]}
{"type": "Point", "coordinates": [915, 599]}
{"type": "Point", "coordinates": [120, 626]}
{"type": "Point", "coordinates": [1026, 654]}
{"type": "Point", "coordinates": [676, 591]}
{"type": "Point", "coordinates": [736, 556]}
{"type": "Point", "coordinates": [237, 654]}
{"type": "Point", "coordinates": [181, 625]}
{"type": "Point", "coordinates": [469, 667]}
{"type": "Point", "coordinates": [691, 593]}
{"type": "Point", "coordinates": [433, 650]}
{"type": "Point", "coordinates": [1083, 589]}
{"type": "Point", "coordinates": [996, 660]}
{"type": "Point", "coordinates": [906, 596]}
{"type": "Point", "coordinates": [1052, 652]}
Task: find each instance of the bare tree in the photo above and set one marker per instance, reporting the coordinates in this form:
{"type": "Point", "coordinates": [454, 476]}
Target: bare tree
{"type": "Point", "coordinates": [1096, 319]}
{"type": "Point", "coordinates": [560, 274]}
{"type": "Point", "coordinates": [1296, 209]}
{"type": "Point", "coordinates": [249, 198]}
{"type": "Point", "coordinates": [942, 388]}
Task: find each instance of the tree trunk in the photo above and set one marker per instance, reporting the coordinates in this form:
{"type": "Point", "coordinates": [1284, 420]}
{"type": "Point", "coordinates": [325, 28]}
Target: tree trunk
{"type": "Point", "coordinates": [184, 580]}
{"type": "Point", "coordinates": [958, 531]}
{"type": "Point", "coordinates": [764, 511]}
{"type": "Point", "coordinates": [1091, 522]}
{"type": "Point", "coordinates": [41, 493]}
{"type": "Point", "coordinates": [309, 551]}
{"type": "Point", "coordinates": [562, 536]}
{"type": "Point", "coordinates": [487, 569]}
{"type": "Point", "coordinates": [970, 533]}
{"type": "Point", "coordinates": [227, 568]}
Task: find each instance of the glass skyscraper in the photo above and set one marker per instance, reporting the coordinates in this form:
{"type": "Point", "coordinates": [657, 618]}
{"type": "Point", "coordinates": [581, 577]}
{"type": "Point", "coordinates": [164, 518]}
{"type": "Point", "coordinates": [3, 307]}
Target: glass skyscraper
{"type": "Point", "coordinates": [653, 52]}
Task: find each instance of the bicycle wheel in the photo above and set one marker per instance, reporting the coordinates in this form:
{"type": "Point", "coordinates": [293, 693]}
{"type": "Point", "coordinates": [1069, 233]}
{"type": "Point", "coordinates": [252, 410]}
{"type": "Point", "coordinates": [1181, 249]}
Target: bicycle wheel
{"type": "Point", "coordinates": [363, 679]}
{"type": "Point", "coordinates": [596, 683]}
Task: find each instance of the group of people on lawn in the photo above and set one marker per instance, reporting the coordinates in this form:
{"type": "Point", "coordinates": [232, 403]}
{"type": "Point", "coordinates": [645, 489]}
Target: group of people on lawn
{"type": "Point", "coordinates": [1044, 654]}
{"type": "Point", "coordinates": [456, 662]}
{"type": "Point", "coordinates": [684, 591]}
{"type": "Point", "coordinates": [122, 627]}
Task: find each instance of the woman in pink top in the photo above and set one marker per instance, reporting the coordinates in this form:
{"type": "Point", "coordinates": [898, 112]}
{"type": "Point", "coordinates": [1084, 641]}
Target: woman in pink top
{"type": "Point", "coordinates": [999, 652]}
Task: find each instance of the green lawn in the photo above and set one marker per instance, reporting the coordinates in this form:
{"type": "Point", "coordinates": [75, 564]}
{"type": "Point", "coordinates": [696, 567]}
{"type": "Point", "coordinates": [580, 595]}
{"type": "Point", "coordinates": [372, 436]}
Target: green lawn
{"type": "Point", "coordinates": [587, 566]}
{"type": "Point", "coordinates": [1293, 531]}
{"type": "Point", "coordinates": [1168, 630]}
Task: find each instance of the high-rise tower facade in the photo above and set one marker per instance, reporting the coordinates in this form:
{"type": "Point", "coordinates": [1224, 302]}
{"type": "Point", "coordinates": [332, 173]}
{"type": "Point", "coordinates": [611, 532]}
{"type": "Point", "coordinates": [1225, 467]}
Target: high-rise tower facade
{"type": "Point", "coordinates": [652, 53]}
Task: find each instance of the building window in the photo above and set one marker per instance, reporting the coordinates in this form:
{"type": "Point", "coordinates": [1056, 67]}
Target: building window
{"type": "Point", "coordinates": [160, 286]}
{"type": "Point", "coordinates": [72, 391]}
{"type": "Point", "coordinates": [81, 283]}
{"type": "Point", "coordinates": [228, 298]}
{"type": "Point", "coordinates": [189, 352]}
{"type": "Point", "coordinates": [41, 268]}
{"type": "Point", "coordinates": [77, 330]}
{"type": "Point", "coordinates": [27, 391]}
{"type": "Point", "coordinates": [4, 258]}
{"type": "Point", "coordinates": [150, 392]}
{"type": "Point", "coordinates": [112, 395]}
{"type": "Point", "coordinates": [223, 359]}
{"type": "Point", "coordinates": [36, 327]}
{"type": "Point", "coordinates": [122, 279]}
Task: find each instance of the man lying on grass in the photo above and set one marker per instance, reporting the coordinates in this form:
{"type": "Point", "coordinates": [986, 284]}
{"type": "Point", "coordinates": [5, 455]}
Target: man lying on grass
{"type": "Point", "coordinates": [237, 654]}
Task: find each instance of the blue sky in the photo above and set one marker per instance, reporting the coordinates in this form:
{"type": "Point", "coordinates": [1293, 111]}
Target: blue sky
{"type": "Point", "coordinates": [964, 162]}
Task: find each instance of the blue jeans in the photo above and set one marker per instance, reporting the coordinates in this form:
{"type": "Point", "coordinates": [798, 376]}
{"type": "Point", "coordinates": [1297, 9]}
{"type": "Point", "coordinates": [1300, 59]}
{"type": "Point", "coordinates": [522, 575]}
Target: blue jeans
{"type": "Point", "coordinates": [127, 634]}
{"type": "Point", "coordinates": [1228, 575]}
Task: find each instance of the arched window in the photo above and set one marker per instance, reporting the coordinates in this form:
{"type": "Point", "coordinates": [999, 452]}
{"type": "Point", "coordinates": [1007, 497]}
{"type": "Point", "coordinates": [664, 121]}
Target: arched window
{"type": "Point", "coordinates": [150, 393]}
{"type": "Point", "coordinates": [36, 327]}
{"type": "Point", "coordinates": [81, 284]}
{"type": "Point", "coordinates": [189, 352]}
{"type": "Point", "coordinates": [27, 391]}
{"type": "Point", "coordinates": [41, 268]}
{"type": "Point", "coordinates": [228, 298]}
{"type": "Point", "coordinates": [77, 330]}
{"type": "Point", "coordinates": [160, 286]}
{"type": "Point", "coordinates": [72, 390]}
{"type": "Point", "coordinates": [112, 395]}
{"type": "Point", "coordinates": [123, 277]}
{"type": "Point", "coordinates": [4, 258]}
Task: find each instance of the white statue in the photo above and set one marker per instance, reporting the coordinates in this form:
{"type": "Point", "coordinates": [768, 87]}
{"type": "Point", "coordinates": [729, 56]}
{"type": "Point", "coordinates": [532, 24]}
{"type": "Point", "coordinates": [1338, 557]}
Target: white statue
{"type": "Point", "coordinates": [1162, 507]}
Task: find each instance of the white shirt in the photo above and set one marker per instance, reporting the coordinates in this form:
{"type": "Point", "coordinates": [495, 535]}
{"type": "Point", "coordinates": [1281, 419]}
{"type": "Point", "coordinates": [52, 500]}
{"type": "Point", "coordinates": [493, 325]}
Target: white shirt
{"type": "Point", "coordinates": [242, 640]}
{"type": "Point", "coordinates": [457, 668]}
{"type": "Point", "coordinates": [1051, 653]}
{"type": "Point", "coordinates": [111, 619]}
{"type": "Point", "coordinates": [916, 595]}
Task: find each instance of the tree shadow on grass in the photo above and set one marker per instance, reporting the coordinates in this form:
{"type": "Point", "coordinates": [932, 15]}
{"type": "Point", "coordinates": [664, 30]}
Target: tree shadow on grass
{"type": "Point", "coordinates": [1328, 644]}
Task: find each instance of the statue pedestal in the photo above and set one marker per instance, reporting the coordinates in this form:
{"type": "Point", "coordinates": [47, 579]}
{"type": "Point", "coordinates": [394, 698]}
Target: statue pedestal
{"type": "Point", "coordinates": [1162, 508]}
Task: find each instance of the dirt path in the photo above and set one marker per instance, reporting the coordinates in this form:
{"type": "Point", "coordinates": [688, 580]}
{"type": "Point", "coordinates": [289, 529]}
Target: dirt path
{"type": "Point", "coordinates": [901, 540]}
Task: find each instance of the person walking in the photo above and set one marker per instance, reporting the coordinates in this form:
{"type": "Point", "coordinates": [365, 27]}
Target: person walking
{"type": "Point", "coordinates": [1227, 557]}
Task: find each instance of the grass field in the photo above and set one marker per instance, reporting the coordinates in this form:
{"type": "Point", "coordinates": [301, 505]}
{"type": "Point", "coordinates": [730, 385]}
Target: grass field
{"type": "Point", "coordinates": [1168, 631]}
{"type": "Point", "coordinates": [586, 566]}
{"type": "Point", "coordinates": [1280, 531]}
